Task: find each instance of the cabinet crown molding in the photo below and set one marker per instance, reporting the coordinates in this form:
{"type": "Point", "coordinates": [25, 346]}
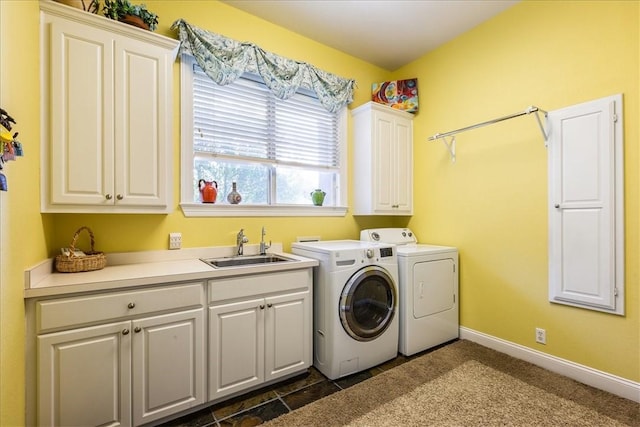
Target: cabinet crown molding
{"type": "Point", "coordinates": [53, 8]}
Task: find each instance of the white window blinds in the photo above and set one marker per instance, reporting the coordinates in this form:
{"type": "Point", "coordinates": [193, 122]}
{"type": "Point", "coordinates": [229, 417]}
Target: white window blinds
{"type": "Point", "coordinates": [245, 121]}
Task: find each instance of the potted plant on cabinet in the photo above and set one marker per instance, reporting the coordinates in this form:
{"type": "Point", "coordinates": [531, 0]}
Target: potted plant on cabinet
{"type": "Point", "coordinates": [91, 6]}
{"type": "Point", "coordinates": [133, 14]}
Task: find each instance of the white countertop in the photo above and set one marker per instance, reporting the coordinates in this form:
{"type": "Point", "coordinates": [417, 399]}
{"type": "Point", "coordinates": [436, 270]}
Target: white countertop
{"type": "Point", "coordinates": [135, 269]}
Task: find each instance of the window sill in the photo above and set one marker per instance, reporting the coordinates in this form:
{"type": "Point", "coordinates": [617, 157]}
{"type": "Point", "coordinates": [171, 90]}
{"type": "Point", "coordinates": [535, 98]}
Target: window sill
{"type": "Point", "coordinates": [223, 210]}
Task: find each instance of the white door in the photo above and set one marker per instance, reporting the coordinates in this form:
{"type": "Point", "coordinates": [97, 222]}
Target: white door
{"type": "Point", "coordinates": [141, 104]}
{"type": "Point", "coordinates": [236, 346]}
{"type": "Point", "coordinates": [384, 134]}
{"type": "Point", "coordinates": [84, 377]}
{"type": "Point", "coordinates": [287, 334]}
{"type": "Point", "coordinates": [403, 161]}
{"type": "Point", "coordinates": [434, 287]}
{"type": "Point", "coordinates": [81, 110]}
{"type": "Point", "coordinates": [168, 364]}
{"type": "Point", "coordinates": [585, 205]}
{"type": "Point", "coordinates": [393, 163]}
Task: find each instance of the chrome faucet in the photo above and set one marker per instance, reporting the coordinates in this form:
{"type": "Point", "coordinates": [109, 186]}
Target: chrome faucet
{"type": "Point", "coordinates": [241, 239]}
{"type": "Point", "coordinates": [263, 245]}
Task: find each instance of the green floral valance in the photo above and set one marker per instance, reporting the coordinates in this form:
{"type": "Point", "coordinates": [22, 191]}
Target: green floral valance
{"type": "Point", "coordinates": [224, 60]}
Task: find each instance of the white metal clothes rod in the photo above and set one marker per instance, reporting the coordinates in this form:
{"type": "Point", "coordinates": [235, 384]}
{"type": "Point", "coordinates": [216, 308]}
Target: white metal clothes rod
{"type": "Point", "coordinates": [451, 143]}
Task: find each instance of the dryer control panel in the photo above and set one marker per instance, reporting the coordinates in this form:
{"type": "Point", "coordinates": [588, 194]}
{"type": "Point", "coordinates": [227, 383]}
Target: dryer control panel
{"type": "Point", "coordinates": [398, 236]}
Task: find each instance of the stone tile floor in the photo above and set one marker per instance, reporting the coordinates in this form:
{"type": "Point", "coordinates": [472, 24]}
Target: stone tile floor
{"type": "Point", "coordinates": [256, 407]}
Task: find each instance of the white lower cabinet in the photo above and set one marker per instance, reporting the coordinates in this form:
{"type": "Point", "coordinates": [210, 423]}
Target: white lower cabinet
{"type": "Point", "coordinates": [168, 372]}
{"type": "Point", "coordinates": [257, 339]}
{"type": "Point", "coordinates": [126, 372]}
{"type": "Point", "coordinates": [84, 377]}
{"type": "Point", "coordinates": [131, 357]}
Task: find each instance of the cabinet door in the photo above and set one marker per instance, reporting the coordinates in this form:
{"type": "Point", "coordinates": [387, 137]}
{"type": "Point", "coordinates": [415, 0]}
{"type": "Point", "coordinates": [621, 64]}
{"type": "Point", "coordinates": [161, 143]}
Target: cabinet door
{"type": "Point", "coordinates": [402, 176]}
{"type": "Point", "coordinates": [287, 334]}
{"type": "Point", "coordinates": [142, 110]}
{"type": "Point", "coordinates": [84, 377]}
{"type": "Point", "coordinates": [384, 153]}
{"type": "Point", "coordinates": [236, 346]}
{"type": "Point", "coordinates": [80, 109]}
{"type": "Point", "coordinates": [393, 139]}
{"type": "Point", "coordinates": [168, 364]}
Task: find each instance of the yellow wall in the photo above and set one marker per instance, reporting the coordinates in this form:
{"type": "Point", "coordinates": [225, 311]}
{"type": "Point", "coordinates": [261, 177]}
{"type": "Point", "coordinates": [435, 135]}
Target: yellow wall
{"type": "Point", "coordinates": [144, 232]}
{"type": "Point", "coordinates": [491, 203]}
{"type": "Point", "coordinates": [23, 228]}
{"type": "Point", "coordinates": [32, 236]}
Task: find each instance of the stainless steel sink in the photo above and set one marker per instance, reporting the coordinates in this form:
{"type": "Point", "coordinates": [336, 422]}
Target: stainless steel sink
{"type": "Point", "coordinates": [245, 261]}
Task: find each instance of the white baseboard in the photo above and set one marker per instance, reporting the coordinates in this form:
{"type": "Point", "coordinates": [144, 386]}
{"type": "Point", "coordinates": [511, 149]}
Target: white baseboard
{"type": "Point", "coordinates": [584, 374]}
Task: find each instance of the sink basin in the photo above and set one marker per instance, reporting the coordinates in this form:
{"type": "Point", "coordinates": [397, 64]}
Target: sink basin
{"type": "Point", "coordinates": [245, 261]}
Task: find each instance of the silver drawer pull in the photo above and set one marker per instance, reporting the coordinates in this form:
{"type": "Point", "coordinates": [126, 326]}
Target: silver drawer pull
{"type": "Point", "coordinates": [132, 305]}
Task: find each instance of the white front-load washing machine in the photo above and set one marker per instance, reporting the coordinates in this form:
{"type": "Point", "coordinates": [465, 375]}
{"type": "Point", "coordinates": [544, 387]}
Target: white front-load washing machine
{"type": "Point", "coordinates": [427, 287]}
{"type": "Point", "coordinates": [355, 321]}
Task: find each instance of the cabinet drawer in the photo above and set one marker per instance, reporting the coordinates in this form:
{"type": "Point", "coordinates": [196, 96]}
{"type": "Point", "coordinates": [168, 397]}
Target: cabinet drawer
{"type": "Point", "coordinates": [80, 310]}
{"type": "Point", "coordinates": [259, 284]}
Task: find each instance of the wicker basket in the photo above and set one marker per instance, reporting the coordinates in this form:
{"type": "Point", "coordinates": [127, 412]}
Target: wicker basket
{"type": "Point", "coordinates": [71, 263]}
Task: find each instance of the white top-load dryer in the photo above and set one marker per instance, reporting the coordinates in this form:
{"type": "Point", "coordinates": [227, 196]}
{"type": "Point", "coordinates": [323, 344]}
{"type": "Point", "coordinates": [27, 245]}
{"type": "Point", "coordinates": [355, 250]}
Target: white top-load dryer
{"type": "Point", "coordinates": [427, 288]}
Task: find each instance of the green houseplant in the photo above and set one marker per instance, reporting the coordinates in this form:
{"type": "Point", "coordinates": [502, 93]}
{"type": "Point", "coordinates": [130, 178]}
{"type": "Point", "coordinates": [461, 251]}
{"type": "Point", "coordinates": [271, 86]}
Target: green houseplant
{"type": "Point", "coordinates": [134, 14]}
{"type": "Point", "coordinates": [91, 6]}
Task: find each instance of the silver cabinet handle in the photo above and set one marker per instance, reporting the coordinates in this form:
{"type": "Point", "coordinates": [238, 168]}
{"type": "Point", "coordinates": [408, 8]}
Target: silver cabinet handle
{"type": "Point", "coordinates": [137, 329]}
{"type": "Point", "coordinates": [119, 197]}
{"type": "Point", "coordinates": [131, 305]}
{"type": "Point", "coordinates": [108, 197]}
{"type": "Point", "coordinates": [125, 332]}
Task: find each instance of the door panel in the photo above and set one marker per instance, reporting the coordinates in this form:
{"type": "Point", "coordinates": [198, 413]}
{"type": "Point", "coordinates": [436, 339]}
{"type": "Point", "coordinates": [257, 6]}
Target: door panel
{"type": "Point", "coordinates": [287, 338]}
{"type": "Point", "coordinates": [81, 119]}
{"type": "Point", "coordinates": [433, 287]}
{"type": "Point", "coordinates": [236, 346]}
{"type": "Point", "coordinates": [585, 205]}
{"type": "Point", "coordinates": [168, 360]}
{"type": "Point", "coordinates": [84, 377]}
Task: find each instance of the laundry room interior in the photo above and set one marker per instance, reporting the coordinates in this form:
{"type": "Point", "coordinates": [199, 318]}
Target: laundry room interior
{"type": "Point", "coordinates": [491, 202]}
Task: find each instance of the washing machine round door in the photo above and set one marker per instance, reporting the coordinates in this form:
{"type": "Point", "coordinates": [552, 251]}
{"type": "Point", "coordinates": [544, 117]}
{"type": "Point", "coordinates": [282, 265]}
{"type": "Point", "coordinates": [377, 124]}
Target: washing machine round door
{"type": "Point", "coordinates": [367, 303]}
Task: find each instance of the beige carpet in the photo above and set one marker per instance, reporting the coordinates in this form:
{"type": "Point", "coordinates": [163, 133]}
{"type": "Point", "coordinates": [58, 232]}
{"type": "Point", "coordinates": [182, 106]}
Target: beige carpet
{"type": "Point", "coordinates": [465, 384]}
{"type": "Point", "coordinates": [468, 396]}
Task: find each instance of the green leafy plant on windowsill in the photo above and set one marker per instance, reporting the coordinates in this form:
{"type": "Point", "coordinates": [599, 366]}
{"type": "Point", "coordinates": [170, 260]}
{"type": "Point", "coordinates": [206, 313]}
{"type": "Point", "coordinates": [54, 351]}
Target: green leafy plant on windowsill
{"type": "Point", "coordinates": [133, 14]}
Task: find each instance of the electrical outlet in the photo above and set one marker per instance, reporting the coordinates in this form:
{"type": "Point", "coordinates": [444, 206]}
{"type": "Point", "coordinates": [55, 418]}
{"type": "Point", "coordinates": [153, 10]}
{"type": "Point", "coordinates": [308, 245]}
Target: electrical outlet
{"type": "Point", "coordinates": [175, 240]}
{"type": "Point", "coordinates": [541, 336]}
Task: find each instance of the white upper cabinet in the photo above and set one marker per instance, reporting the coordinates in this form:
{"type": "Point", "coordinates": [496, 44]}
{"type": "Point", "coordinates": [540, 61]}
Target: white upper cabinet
{"type": "Point", "coordinates": [383, 160]}
{"type": "Point", "coordinates": [586, 224]}
{"type": "Point", "coordinates": [106, 114]}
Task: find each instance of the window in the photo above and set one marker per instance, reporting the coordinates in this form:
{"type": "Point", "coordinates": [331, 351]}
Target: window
{"type": "Point", "coordinates": [277, 152]}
